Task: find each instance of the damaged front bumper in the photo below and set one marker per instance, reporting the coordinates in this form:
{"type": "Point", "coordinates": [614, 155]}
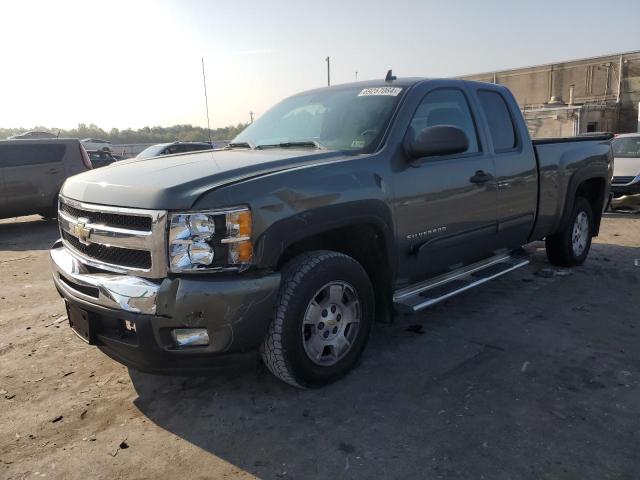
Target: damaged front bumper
{"type": "Point", "coordinates": [132, 319]}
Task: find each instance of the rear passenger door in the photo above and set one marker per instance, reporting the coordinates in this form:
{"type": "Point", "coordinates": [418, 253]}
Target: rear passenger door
{"type": "Point", "coordinates": [515, 164]}
{"type": "Point", "coordinates": [33, 174]}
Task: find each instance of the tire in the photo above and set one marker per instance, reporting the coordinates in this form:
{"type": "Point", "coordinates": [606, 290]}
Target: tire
{"type": "Point", "coordinates": [303, 346]}
{"type": "Point", "coordinates": [560, 247]}
{"type": "Point", "coordinates": [50, 213]}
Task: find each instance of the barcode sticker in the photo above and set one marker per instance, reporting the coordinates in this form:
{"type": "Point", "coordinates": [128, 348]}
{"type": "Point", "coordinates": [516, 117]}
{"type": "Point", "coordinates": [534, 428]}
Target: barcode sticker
{"type": "Point", "coordinates": [390, 91]}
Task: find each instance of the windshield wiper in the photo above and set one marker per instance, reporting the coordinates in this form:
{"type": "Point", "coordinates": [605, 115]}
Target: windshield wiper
{"type": "Point", "coordinates": [240, 145]}
{"type": "Point", "coordinates": [302, 144]}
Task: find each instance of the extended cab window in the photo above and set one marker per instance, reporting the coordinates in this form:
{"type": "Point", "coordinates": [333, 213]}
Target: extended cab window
{"type": "Point", "coordinates": [499, 120]}
{"type": "Point", "coordinates": [19, 155]}
{"type": "Point", "coordinates": [446, 106]}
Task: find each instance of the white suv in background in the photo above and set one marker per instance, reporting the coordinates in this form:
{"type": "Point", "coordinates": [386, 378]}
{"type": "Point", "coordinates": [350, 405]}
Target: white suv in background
{"type": "Point", "coordinates": [626, 170]}
{"type": "Point", "coordinates": [96, 144]}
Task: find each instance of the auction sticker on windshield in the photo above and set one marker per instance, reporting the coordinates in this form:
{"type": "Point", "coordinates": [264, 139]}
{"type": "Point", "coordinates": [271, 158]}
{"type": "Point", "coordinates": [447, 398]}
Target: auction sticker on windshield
{"type": "Point", "coordinates": [391, 91]}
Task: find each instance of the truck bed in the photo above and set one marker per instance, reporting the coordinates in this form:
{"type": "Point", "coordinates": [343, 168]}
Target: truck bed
{"type": "Point", "coordinates": [558, 161]}
{"type": "Point", "coordinates": [582, 138]}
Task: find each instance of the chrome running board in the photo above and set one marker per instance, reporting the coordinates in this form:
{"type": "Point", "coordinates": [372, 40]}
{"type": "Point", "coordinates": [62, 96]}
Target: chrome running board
{"type": "Point", "coordinates": [424, 294]}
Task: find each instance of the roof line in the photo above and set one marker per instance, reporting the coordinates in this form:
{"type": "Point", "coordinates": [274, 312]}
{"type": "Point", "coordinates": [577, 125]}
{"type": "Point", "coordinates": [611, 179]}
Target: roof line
{"type": "Point", "coordinates": [550, 64]}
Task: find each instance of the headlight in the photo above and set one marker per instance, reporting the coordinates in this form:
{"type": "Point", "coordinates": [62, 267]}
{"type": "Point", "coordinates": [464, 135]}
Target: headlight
{"type": "Point", "coordinates": [211, 240]}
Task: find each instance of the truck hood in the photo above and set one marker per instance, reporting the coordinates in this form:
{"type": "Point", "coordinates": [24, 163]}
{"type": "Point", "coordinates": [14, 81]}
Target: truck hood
{"type": "Point", "coordinates": [175, 182]}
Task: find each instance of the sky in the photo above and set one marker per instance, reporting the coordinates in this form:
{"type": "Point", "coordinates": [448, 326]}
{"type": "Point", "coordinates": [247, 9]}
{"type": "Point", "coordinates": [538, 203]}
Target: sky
{"type": "Point", "coordinates": [135, 63]}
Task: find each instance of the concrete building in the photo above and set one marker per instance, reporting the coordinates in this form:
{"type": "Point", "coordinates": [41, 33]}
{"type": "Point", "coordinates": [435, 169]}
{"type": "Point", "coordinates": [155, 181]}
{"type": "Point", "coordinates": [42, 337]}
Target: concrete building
{"type": "Point", "coordinates": [578, 96]}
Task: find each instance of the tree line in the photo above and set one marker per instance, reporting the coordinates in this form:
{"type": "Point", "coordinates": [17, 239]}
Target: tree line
{"type": "Point", "coordinates": [184, 133]}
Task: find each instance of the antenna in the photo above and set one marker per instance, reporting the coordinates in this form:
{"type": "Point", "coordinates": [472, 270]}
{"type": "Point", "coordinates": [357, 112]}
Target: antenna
{"type": "Point", "coordinates": [390, 76]}
{"type": "Point", "coordinates": [206, 101]}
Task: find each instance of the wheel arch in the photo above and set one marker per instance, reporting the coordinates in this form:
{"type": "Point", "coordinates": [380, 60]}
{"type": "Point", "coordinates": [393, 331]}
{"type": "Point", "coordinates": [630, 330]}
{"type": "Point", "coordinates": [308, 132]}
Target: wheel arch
{"type": "Point", "coordinates": [593, 188]}
{"type": "Point", "coordinates": [363, 234]}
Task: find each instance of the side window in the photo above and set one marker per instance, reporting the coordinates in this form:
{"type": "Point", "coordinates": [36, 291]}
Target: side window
{"type": "Point", "coordinates": [499, 120]}
{"type": "Point", "coordinates": [446, 106]}
{"type": "Point", "coordinates": [21, 155]}
{"type": "Point", "coordinates": [197, 148]}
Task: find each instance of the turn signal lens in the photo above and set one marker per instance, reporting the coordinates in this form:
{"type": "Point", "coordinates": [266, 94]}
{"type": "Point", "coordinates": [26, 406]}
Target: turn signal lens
{"type": "Point", "coordinates": [239, 224]}
{"type": "Point", "coordinates": [240, 252]}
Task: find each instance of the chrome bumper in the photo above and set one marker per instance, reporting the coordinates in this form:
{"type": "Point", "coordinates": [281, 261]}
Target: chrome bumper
{"type": "Point", "coordinates": [116, 291]}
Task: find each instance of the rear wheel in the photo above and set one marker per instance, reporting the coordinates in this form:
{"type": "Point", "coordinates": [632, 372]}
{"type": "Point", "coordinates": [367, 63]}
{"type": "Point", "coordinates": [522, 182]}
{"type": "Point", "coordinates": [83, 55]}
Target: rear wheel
{"type": "Point", "coordinates": [322, 321]}
{"type": "Point", "coordinates": [571, 246]}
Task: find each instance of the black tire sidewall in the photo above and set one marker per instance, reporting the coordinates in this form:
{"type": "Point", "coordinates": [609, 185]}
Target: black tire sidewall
{"type": "Point", "coordinates": [338, 268]}
{"type": "Point", "coordinates": [580, 205]}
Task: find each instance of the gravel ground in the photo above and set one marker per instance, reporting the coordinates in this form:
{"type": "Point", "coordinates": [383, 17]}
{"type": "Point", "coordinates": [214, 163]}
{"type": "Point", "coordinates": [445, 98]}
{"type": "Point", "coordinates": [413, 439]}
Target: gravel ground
{"type": "Point", "coordinates": [534, 375]}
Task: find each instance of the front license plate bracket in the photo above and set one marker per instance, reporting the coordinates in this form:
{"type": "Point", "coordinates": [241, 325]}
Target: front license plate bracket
{"type": "Point", "coordinates": [79, 322]}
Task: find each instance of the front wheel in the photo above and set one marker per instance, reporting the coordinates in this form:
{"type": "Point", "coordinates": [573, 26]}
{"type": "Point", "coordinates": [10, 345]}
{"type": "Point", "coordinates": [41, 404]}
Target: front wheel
{"type": "Point", "coordinates": [571, 246]}
{"type": "Point", "coordinates": [322, 321]}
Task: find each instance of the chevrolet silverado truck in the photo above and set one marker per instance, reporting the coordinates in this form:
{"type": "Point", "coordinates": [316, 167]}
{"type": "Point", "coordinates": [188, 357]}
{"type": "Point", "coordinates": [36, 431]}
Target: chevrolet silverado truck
{"type": "Point", "coordinates": [337, 207]}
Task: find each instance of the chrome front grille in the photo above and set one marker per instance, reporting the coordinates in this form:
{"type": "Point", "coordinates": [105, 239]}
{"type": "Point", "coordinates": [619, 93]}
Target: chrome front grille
{"type": "Point", "coordinates": [132, 222]}
{"type": "Point", "coordinates": [123, 240]}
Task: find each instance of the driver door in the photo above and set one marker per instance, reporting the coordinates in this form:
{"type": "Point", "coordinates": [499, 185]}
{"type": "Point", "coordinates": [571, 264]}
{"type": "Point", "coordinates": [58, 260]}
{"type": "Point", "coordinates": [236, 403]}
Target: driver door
{"type": "Point", "coordinates": [445, 206]}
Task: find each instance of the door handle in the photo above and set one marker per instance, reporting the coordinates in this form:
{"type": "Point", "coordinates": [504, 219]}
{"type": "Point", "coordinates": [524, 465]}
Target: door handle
{"type": "Point", "coordinates": [53, 170]}
{"type": "Point", "coordinates": [481, 177]}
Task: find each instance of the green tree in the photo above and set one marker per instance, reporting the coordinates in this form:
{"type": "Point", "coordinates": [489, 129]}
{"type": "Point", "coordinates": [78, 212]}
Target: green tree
{"type": "Point", "coordinates": [155, 134]}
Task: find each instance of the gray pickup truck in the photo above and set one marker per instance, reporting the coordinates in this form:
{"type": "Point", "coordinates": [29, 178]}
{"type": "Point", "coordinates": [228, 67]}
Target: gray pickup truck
{"type": "Point", "coordinates": [32, 172]}
{"type": "Point", "coordinates": [338, 207]}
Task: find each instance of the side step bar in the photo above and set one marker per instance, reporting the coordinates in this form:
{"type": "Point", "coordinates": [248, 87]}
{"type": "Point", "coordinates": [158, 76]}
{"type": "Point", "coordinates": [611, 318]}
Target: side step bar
{"type": "Point", "coordinates": [422, 295]}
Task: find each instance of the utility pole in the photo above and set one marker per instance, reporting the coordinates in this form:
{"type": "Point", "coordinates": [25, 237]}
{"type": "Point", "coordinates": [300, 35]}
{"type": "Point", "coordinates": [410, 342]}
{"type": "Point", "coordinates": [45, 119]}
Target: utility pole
{"type": "Point", "coordinates": [206, 101]}
{"type": "Point", "coordinates": [251, 116]}
{"type": "Point", "coordinates": [328, 71]}
{"type": "Point", "coordinates": [356, 75]}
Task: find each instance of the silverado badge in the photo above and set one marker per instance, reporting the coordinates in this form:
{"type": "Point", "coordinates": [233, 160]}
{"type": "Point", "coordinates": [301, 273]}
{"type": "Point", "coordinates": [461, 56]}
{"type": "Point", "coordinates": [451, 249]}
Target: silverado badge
{"type": "Point", "coordinates": [81, 231]}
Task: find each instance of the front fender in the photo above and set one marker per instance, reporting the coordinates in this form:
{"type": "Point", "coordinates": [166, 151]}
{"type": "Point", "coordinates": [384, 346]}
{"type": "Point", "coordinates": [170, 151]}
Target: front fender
{"type": "Point", "coordinates": [309, 223]}
{"type": "Point", "coordinates": [300, 203]}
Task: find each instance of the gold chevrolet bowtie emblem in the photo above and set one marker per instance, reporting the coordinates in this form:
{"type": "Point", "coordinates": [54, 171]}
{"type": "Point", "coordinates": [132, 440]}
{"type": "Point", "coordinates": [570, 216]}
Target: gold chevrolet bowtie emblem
{"type": "Point", "coordinates": [80, 230]}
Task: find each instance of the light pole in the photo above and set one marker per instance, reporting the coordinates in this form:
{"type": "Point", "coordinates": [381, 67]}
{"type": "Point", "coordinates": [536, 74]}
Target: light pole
{"type": "Point", "coordinates": [328, 71]}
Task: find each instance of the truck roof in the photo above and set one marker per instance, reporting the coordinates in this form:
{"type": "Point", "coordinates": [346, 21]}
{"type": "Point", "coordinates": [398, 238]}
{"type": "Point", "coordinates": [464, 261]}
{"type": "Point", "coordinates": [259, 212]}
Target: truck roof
{"type": "Point", "coordinates": [398, 82]}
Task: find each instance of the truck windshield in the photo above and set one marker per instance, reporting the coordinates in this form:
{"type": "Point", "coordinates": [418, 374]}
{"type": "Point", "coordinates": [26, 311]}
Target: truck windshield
{"type": "Point", "coordinates": [152, 151]}
{"type": "Point", "coordinates": [626, 146]}
{"type": "Point", "coordinates": [348, 118]}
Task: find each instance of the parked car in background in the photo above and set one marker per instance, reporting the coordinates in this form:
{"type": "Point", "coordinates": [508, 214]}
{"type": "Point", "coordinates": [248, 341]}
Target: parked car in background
{"type": "Point", "coordinates": [171, 148]}
{"type": "Point", "coordinates": [32, 172]}
{"type": "Point", "coordinates": [96, 144]}
{"type": "Point", "coordinates": [33, 135]}
{"type": "Point", "coordinates": [626, 170]}
{"type": "Point", "coordinates": [335, 207]}
{"type": "Point", "coordinates": [100, 158]}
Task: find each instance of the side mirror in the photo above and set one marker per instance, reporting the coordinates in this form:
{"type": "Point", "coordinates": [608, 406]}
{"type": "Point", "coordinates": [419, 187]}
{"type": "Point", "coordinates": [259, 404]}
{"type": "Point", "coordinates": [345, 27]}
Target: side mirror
{"type": "Point", "coordinates": [436, 141]}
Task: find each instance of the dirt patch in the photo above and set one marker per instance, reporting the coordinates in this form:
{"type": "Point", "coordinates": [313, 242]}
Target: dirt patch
{"type": "Point", "coordinates": [533, 375]}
